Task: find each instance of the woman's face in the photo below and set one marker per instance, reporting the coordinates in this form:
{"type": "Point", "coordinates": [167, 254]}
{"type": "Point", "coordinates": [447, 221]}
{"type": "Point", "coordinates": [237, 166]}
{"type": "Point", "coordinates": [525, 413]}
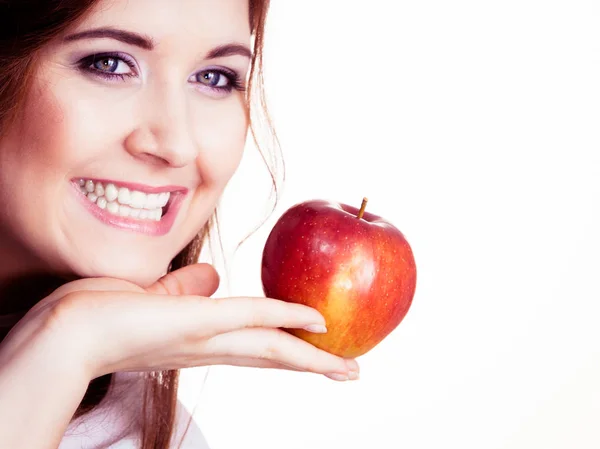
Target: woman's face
{"type": "Point", "coordinates": [135, 123]}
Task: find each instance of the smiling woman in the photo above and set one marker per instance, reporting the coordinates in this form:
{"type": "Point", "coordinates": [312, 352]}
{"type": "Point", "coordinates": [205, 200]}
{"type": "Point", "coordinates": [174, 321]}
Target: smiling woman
{"type": "Point", "coordinates": [121, 123]}
{"type": "Point", "coordinates": [114, 106]}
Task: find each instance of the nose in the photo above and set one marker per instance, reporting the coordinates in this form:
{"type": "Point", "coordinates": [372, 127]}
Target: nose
{"type": "Point", "coordinates": [164, 135]}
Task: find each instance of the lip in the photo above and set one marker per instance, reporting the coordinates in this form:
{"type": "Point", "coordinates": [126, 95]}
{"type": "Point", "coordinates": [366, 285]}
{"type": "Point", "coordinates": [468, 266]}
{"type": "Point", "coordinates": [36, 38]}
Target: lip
{"type": "Point", "coordinates": [148, 227]}
{"type": "Point", "coordinates": [135, 186]}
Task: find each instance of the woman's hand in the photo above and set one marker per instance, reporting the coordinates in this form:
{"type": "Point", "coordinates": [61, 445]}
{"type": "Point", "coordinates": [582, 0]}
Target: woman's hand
{"type": "Point", "coordinates": [112, 325]}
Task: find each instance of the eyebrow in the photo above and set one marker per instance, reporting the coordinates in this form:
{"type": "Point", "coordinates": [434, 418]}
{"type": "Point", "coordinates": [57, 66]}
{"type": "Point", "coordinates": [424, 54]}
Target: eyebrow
{"type": "Point", "coordinates": [127, 37]}
{"type": "Point", "coordinates": [147, 43]}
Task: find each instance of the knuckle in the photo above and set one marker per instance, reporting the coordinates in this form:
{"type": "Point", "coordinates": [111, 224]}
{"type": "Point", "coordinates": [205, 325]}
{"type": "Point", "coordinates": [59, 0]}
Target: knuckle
{"type": "Point", "coordinates": [61, 313]}
{"type": "Point", "coordinates": [286, 312]}
{"type": "Point", "coordinates": [171, 284]}
{"type": "Point", "coordinates": [313, 363]}
{"type": "Point", "coordinates": [206, 318]}
{"type": "Point", "coordinates": [272, 349]}
{"type": "Point", "coordinates": [257, 317]}
{"type": "Point", "coordinates": [271, 313]}
{"type": "Point", "coordinates": [313, 367]}
{"type": "Point", "coordinates": [258, 312]}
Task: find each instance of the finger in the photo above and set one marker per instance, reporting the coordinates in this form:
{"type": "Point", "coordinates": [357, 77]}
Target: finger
{"type": "Point", "coordinates": [242, 362]}
{"type": "Point", "coordinates": [275, 345]}
{"type": "Point", "coordinates": [249, 362]}
{"type": "Point", "coordinates": [197, 279]}
{"type": "Point", "coordinates": [228, 314]}
{"type": "Point", "coordinates": [101, 284]}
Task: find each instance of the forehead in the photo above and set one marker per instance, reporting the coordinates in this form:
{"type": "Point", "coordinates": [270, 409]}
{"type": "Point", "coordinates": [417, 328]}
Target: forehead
{"type": "Point", "coordinates": [206, 22]}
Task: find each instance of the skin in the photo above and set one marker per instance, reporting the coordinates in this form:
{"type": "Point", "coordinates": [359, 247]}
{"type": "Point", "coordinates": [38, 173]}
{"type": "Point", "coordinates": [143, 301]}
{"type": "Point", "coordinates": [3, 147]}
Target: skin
{"type": "Point", "coordinates": [162, 126]}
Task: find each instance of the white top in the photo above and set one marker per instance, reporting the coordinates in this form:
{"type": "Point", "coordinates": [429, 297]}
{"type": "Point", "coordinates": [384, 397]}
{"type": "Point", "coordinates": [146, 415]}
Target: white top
{"type": "Point", "coordinates": [113, 424]}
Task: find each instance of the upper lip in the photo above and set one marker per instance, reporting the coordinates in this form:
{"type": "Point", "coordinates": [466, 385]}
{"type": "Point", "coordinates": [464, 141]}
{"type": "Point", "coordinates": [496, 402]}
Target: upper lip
{"type": "Point", "coordinates": [145, 188]}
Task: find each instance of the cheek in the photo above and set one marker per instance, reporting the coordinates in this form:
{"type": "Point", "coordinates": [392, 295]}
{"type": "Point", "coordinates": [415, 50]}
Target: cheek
{"type": "Point", "coordinates": [90, 127]}
{"type": "Point", "coordinates": [221, 141]}
{"type": "Point", "coordinates": [41, 131]}
{"type": "Point", "coordinates": [35, 152]}
{"type": "Point", "coordinates": [60, 132]}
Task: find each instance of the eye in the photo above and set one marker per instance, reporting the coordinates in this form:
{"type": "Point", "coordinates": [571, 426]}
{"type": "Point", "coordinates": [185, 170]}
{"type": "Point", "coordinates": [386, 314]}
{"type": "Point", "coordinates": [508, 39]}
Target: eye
{"type": "Point", "coordinates": [109, 66]}
{"type": "Point", "coordinates": [218, 81]}
{"type": "Point", "coordinates": [112, 65]}
{"type": "Point", "coordinates": [213, 78]}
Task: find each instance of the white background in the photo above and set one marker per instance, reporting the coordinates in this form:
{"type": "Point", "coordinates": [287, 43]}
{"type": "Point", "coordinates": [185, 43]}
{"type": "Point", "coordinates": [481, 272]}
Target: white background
{"type": "Point", "coordinates": [473, 126]}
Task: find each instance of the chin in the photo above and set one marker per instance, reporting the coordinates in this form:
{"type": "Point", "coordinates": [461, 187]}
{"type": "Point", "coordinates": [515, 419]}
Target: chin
{"type": "Point", "coordinates": [131, 269]}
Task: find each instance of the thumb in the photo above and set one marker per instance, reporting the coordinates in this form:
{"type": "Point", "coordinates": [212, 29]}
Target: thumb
{"type": "Point", "coordinates": [196, 279]}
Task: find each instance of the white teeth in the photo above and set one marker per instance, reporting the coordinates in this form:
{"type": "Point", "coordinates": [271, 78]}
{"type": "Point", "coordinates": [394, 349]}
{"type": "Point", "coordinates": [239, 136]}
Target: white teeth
{"type": "Point", "coordinates": [124, 211]}
{"type": "Point", "coordinates": [113, 207]}
{"type": "Point", "coordinates": [124, 202]}
{"type": "Point", "coordinates": [124, 196]}
{"type": "Point", "coordinates": [137, 199]}
{"type": "Point", "coordinates": [163, 199]}
{"type": "Point", "coordinates": [111, 192]}
{"type": "Point", "coordinates": [151, 201]}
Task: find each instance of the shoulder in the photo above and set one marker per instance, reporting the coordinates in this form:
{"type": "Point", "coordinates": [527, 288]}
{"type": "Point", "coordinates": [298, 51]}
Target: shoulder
{"type": "Point", "coordinates": [115, 422]}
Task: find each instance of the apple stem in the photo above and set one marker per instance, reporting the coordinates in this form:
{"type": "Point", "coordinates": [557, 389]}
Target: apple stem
{"type": "Point", "coordinates": [363, 206]}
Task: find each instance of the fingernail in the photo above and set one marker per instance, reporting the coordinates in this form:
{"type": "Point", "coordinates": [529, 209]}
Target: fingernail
{"type": "Point", "coordinates": [337, 376]}
{"type": "Point", "coordinates": [316, 328]}
{"type": "Point", "coordinates": [353, 375]}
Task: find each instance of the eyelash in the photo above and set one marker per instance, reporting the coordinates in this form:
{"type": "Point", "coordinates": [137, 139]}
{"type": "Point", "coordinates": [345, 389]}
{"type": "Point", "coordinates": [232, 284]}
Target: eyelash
{"type": "Point", "coordinates": [85, 64]}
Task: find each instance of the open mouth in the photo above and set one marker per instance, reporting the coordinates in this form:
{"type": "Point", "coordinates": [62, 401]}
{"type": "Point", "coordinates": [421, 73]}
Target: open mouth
{"type": "Point", "coordinates": [127, 202]}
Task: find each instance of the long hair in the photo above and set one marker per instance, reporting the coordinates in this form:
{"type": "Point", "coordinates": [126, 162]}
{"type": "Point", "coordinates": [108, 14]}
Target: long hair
{"type": "Point", "coordinates": [26, 26]}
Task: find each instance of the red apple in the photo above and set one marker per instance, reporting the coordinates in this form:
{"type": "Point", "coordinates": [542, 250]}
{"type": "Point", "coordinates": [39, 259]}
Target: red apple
{"type": "Point", "coordinates": [354, 267]}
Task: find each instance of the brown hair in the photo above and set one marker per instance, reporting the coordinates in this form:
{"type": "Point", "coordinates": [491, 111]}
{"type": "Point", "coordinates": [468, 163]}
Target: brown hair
{"type": "Point", "coordinates": [26, 26]}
